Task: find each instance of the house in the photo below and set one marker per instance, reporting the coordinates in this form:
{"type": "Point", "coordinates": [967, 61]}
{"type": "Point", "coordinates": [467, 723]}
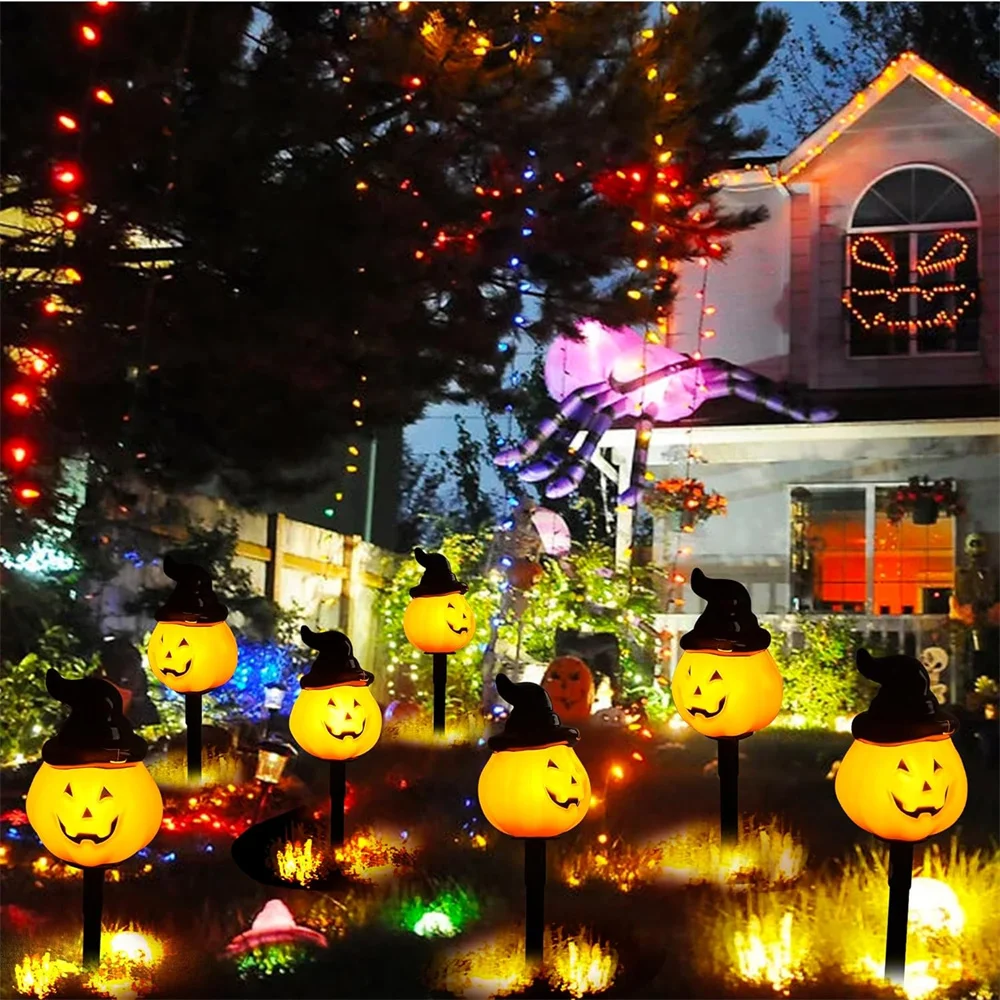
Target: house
{"type": "Point", "coordinates": [873, 288]}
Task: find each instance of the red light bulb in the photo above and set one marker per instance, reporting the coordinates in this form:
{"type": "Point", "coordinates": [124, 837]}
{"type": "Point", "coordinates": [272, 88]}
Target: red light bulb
{"type": "Point", "coordinates": [67, 175]}
{"type": "Point", "coordinates": [89, 35]}
{"type": "Point", "coordinates": [67, 122]}
{"type": "Point", "coordinates": [27, 493]}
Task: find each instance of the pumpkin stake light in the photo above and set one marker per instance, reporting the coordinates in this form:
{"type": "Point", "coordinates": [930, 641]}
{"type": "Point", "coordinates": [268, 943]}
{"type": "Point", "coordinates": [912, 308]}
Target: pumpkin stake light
{"type": "Point", "coordinates": [726, 685]}
{"type": "Point", "coordinates": [438, 621]}
{"type": "Point", "coordinates": [902, 778]}
{"type": "Point", "coordinates": [533, 786]}
{"type": "Point", "coordinates": [192, 650]}
{"type": "Point", "coordinates": [92, 803]}
{"type": "Point", "coordinates": [335, 717]}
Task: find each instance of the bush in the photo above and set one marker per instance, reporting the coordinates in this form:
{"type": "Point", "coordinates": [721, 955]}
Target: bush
{"type": "Point", "coordinates": [30, 714]}
{"type": "Point", "coordinates": [821, 680]}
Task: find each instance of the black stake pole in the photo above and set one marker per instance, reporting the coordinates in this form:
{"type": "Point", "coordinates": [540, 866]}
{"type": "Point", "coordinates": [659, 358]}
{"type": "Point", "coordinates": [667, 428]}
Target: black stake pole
{"type": "Point", "coordinates": [729, 789]}
{"type": "Point", "coordinates": [440, 682]}
{"type": "Point", "coordinates": [192, 719]}
{"type": "Point", "coordinates": [900, 877]}
{"type": "Point", "coordinates": [338, 788]}
{"type": "Point", "coordinates": [93, 907]}
{"type": "Point", "coordinates": [534, 898]}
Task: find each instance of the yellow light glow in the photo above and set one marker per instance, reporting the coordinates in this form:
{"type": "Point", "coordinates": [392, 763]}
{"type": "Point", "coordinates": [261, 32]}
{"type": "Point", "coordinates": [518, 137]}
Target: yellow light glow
{"type": "Point", "coordinates": [298, 862]}
{"type": "Point", "coordinates": [638, 226]}
{"type": "Point", "coordinates": [38, 975]}
{"type": "Point", "coordinates": [670, 96]}
{"type": "Point", "coordinates": [934, 907]}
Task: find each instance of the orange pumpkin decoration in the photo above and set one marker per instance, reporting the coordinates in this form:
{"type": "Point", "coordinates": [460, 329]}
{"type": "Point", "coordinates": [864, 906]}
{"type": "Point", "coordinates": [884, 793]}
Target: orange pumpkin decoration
{"type": "Point", "coordinates": [570, 684]}
{"type": "Point", "coordinates": [524, 573]}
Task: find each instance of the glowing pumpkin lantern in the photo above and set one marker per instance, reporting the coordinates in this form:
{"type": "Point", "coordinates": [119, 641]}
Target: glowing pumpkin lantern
{"type": "Point", "coordinates": [438, 620]}
{"type": "Point", "coordinates": [92, 803]}
{"type": "Point", "coordinates": [533, 786]}
{"type": "Point", "coordinates": [570, 685]}
{"type": "Point", "coordinates": [902, 778]}
{"type": "Point", "coordinates": [726, 684]}
{"type": "Point", "coordinates": [335, 716]}
{"type": "Point", "coordinates": [192, 649]}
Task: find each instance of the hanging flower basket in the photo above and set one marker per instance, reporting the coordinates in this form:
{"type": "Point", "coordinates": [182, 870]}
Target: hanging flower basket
{"type": "Point", "coordinates": [922, 501]}
{"type": "Point", "coordinates": [685, 501]}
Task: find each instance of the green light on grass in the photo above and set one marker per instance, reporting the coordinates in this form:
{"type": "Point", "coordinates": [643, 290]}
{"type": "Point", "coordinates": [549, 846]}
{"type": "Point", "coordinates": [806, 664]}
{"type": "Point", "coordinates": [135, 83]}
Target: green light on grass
{"type": "Point", "coordinates": [444, 915]}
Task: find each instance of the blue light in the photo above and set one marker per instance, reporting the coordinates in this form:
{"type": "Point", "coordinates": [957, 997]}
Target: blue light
{"type": "Point", "coordinates": [530, 211]}
{"type": "Point", "coordinates": [507, 525]}
{"type": "Point", "coordinates": [13, 833]}
{"type": "Point", "coordinates": [512, 501]}
{"type": "Point", "coordinates": [520, 320]}
{"type": "Point", "coordinates": [172, 856]}
{"type": "Point", "coordinates": [524, 285]}
{"type": "Point", "coordinates": [209, 849]}
{"type": "Point", "coordinates": [468, 803]}
{"type": "Point", "coordinates": [506, 561]}
{"type": "Point", "coordinates": [527, 231]}
{"type": "Point", "coordinates": [509, 409]}
{"type": "Point", "coordinates": [529, 174]}
{"type": "Point", "coordinates": [404, 834]}
{"type": "Point", "coordinates": [503, 347]}
{"type": "Point", "coordinates": [532, 152]}
{"type": "Point", "coordinates": [144, 853]}
{"type": "Point", "coordinates": [514, 261]}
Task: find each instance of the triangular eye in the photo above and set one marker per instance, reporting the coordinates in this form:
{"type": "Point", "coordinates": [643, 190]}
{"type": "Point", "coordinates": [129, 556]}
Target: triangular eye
{"type": "Point", "coordinates": [937, 766]}
{"type": "Point", "coordinates": [105, 794]}
{"type": "Point", "coordinates": [901, 766]}
{"type": "Point", "coordinates": [357, 704]}
{"type": "Point", "coordinates": [552, 763]}
{"type": "Point", "coordinates": [68, 791]}
{"type": "Point", "coordinates": [689, 671]}
{"type": "Point", "coordinates": [716, 676]}
{"type": "Point", "coordinates": [183, 642]}
{"type": "Point", "coordinates": [452, 606]}
{"type": "Point", "coordinates": [553, 677]}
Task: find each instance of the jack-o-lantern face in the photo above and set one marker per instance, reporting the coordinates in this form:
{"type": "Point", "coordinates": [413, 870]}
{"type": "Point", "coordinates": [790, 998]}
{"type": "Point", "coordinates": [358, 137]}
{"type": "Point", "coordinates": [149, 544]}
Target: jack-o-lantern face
{"type": "Point", "coordinates": [727, 694]}
{"type": "Point", "coordinates": [536, 792]}
{"type": "Point", "coordinates": [440, 623]}
{"type": "Point", "coordinates": [903, 791]}
{"type": "Point", "coordinates": [94, 815]}
{"type": "Point", "coordinates": [570, 685]}
{"type": "Point", "coordinates": [192, 658]}
{"type": "Point", "coordinates": [336, 723]}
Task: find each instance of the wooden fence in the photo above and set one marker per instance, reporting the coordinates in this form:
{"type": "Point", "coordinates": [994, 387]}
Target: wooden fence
{"type": "Point", "coordinates": [331, 580]}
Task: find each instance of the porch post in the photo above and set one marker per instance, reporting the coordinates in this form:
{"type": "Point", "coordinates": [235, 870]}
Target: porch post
{"type": "Point", "coordinates": [624, 516]}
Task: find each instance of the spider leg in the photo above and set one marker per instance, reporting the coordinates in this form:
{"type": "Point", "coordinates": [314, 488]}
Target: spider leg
{"type": "Point", "coordinates": [576, 464]}
{"type": "Point", "coordinates": [643, 434]}
{"type": "Point", "coordinates": [576, 407]}
{"type": "Point", "coordinates": [725, 379]}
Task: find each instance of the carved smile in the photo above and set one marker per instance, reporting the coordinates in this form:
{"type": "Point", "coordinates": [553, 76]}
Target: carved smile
{"type": "Point", "coordinates": [921, 810]}
{"type": "Point", "coordinates": [93, 837]}
{"type": "Point", "coordinates": [461, 630]}
{"type": "Point", "coordinates": [706, 712]}
{"type": "Point", "coordinates": [566, 803]}
{"type": "Point", "coordinates": [177, 673]}
{"type": "Point", "coordinates": [344, 736]}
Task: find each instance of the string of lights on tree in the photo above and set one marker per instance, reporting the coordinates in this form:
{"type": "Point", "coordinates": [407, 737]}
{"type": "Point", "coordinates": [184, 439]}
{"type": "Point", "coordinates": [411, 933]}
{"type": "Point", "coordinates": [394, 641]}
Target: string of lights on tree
{"type": "Point", "coordinates": [35, 363]}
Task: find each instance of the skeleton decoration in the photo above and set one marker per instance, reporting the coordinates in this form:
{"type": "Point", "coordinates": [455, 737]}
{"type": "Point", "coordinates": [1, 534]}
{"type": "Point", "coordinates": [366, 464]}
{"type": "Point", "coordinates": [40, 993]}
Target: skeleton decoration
{"type": "Point", "coordinates": [606, 375]}
{"type": "Point", "coordinates": [935, 662]}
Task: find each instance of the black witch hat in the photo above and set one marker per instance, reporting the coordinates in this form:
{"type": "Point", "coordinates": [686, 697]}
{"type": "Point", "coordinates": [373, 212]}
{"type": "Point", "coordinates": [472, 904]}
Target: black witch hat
{"type": "Point", "coordinates": [904, 708]}
{"type": "Point", "coordinates": [96, 731]}
{"type": "Point", "coordinates": [532, 722]}
{"type": "Point", "coordinates": [193, 601]}
{"type": "Point", "coordinates": [335, 664]}
{"type": "Point", "coordinates": [438, 578]}
{"type": "Point", "coordinates": [728, 623]}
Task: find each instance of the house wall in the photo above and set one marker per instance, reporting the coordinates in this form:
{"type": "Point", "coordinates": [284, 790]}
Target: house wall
{"type": "Point", "coordinates": [751, 543]}
{"type": "Point", "coordinates": [750, 289]}
{"type": "Point", "coordinates": [911, 125]}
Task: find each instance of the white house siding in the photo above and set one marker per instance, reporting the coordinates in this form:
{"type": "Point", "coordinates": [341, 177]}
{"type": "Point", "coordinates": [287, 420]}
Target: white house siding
{"type": "Point", "coordinates": [750, 289]}
{"type": "Point", "coordinates": [909, 126]}
{"type": "Point", "coordinates": [751, 544]}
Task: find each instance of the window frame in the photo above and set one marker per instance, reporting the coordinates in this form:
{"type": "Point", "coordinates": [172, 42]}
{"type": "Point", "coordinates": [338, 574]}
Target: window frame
{"type": "Point", "coordinates": [912, 231]}
{"type": "Point", "coordinates": [871, 515]}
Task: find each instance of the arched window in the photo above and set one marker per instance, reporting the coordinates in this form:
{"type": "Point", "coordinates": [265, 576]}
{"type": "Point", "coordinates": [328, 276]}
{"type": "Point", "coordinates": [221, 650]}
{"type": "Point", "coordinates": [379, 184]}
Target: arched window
{"type": "Point", "coordinates": [913, 266]}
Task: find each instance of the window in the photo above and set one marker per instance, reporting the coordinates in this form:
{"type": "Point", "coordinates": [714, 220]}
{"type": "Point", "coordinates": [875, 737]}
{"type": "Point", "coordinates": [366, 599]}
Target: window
{"type": "Point", "coordinates": [847, 557]}
{"type": "Point", "coordinates": [913, 267]}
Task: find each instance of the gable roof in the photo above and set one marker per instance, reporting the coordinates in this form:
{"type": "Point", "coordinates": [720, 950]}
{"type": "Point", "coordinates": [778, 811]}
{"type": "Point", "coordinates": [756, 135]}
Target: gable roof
{"type": "Point", "coordinates": [906, 66]}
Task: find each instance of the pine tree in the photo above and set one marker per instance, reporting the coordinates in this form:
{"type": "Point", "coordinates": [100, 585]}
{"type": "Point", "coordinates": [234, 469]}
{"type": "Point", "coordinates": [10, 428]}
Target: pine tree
{"type": "Point", "coordinates": [301, 218]}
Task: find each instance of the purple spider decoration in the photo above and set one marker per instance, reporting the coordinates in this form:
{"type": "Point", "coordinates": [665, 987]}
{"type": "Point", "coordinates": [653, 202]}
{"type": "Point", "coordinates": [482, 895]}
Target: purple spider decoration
{"type": "Point", "coordinates": [609, 374]}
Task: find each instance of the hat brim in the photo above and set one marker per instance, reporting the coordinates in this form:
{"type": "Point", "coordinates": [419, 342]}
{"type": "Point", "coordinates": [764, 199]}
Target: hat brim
{"type": "Point", "coordinates": [556, 736]}
{"type": "Point", "coordinates": [888, 732]}
{"type": "Point", "coordinates": [420, 590]}
{"type": "Point", "coordinates": [364, 679]}
{"type": "Point", "coordinates": [755, 641]}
